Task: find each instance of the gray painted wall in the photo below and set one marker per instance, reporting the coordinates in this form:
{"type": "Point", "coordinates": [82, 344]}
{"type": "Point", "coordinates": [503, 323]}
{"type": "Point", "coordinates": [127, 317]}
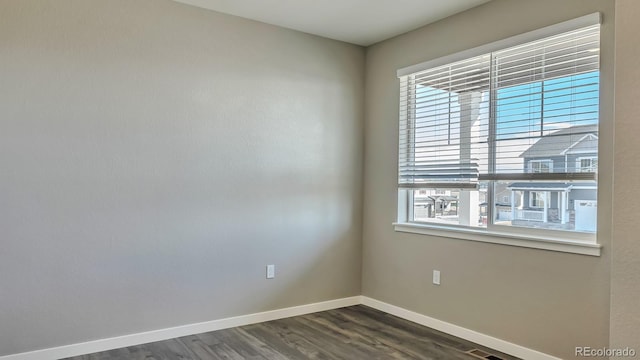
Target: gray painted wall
{"type": "Point", "coordinates": [543, 300]}
{"type": "Point", "coordinates": [625, 269]}
{"type": "Point", "coordinates": [151, 167]}
{"type": "Point", "coordinates": [156, 156]}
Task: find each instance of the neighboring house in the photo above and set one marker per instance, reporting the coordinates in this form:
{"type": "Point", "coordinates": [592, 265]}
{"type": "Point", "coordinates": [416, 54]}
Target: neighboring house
{"type": "Point", "coordinates": [563, 205]}
{"type": "Point", "coordinates": [441, 205]}
{"type": "Point", "coordinates": [574, 149]}
{"type": "Point", "coordinates": [429, 204]}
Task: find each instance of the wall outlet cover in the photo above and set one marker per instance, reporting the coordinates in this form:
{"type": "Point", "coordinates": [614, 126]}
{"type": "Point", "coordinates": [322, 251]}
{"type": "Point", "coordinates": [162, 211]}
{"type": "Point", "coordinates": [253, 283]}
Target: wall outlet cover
{"type": "Point", "coordinates": [271, 271]}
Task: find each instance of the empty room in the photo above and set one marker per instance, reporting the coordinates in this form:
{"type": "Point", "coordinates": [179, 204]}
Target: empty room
{"type": "Point", "coordinates": [279, 179]}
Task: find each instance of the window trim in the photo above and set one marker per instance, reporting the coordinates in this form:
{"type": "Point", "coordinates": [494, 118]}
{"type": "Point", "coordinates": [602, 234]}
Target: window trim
{"type": "Point", "coordinates": [554, 240]}
{"type": "Point", "coordinates": [503, 238]}
{"type": "Point", "coordinates": [579, 167]}
{"type": "Point", "coordinates": [549, 163]}
{"type": "Point", "coordinates": [566, 26]}
{"type": "Point", "coordinates": [539, 196]}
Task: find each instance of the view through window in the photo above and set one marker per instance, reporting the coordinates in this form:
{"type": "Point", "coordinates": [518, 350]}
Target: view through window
{"type": "Point", "coordinates": [505, 139]}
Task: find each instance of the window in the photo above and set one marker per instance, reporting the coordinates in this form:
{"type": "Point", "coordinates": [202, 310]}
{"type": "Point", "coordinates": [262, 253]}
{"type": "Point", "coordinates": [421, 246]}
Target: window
{"type": "Point", "coordinates": [587, 164]}
{"type": "Point", "coordinates": [536, 199]}
{"type": "Point", "coordinates": [489, 141]}
{"type": "Point", "coordinates": [540, 166]}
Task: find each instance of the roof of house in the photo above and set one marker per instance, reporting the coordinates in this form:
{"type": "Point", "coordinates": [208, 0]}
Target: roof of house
{"type": "Point", "coordinates": [583, 138]}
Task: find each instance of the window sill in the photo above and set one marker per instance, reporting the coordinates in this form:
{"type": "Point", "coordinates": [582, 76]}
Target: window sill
{"type": "Point", "coordinates": [482, 235]}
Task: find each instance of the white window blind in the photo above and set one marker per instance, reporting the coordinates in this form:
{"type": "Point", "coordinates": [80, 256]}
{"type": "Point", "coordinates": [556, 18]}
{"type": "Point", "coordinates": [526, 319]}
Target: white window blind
{"type": "Point", "coordinates": [438, 146]}
{"type": "Point", "coordinates": [545, 101]}
{"type": "Point", "coordinates": [482, 117]}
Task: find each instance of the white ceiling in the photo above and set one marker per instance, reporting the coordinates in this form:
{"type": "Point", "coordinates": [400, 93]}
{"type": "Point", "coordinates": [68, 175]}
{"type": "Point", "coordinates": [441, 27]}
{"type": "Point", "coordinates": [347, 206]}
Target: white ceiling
{"type": "Point", "coordinates": [362, 22]}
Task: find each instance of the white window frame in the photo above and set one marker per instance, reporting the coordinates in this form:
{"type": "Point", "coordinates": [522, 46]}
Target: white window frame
{"type": "Point", "coordinates": [548, 162]}
{"type": "Point", "coordinates": [580, 168]}
{"type": "Point", "coordinates": [535, 197]}
{"type": "Point", "coordinates": [562, 241]}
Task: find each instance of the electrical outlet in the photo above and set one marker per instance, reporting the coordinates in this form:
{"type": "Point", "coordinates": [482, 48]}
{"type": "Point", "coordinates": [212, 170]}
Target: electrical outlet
{"type": "Point", "coordinates": [271, 271]}
{"type": "Point", "coordinates": [436, 277]}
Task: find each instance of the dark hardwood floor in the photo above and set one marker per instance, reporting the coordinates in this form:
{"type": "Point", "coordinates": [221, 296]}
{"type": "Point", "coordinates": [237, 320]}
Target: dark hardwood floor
{"type": "Point", "coordinates": [351, 333]}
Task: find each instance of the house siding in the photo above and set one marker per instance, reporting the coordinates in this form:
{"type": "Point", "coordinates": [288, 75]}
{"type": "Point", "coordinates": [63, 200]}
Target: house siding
{"type": "Point", "coordinates": [559, 161]}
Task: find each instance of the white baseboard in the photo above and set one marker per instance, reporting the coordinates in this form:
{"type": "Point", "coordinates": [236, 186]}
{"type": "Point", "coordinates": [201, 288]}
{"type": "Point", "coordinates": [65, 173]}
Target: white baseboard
{"type": "Point", "coordinates": [198, 328]}
{"type": "Point", "coordinates": [178, 331]}
{"type": "Point", "coordinates": [455, 330]}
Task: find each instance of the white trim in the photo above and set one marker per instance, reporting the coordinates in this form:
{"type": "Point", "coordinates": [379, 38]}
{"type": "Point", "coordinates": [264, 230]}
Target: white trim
{"type": "Point", "coordinates": [579, 163]}
{"type": "Point", "coordinates": [198, 328]}
{"type": "Point", "coordinates": [549, 163]}
{"type": "Point", "coordinates": [574, 24]}
{"type": "Point", "coordinates": [538, 189]}
{"type": "Point", "coordinates": [459, 331]}
{"type": "Point", "coordinates": [178, 331]}
{"type": "Point", "coordinates": [482, 235]}
{"type": "Point", "coordinates": [566, 151]}
{"type": "Point", "coordinates": [533, 197]}
{"type": "Point", "coordinates": [584, 187]}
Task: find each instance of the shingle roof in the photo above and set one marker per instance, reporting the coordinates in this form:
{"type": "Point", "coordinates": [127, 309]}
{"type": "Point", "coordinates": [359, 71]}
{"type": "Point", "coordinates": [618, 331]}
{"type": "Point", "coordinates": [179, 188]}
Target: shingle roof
{"type": "Point", "coordinates": [556, 143]}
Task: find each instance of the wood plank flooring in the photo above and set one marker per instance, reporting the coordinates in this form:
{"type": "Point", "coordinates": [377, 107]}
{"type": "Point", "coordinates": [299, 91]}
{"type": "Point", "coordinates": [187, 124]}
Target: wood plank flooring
{"type": "Point", "coordinates": [351, 333]}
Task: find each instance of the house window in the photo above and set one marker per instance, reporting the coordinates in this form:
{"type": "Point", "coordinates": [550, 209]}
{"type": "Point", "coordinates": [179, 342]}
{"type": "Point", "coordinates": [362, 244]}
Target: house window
{"type": "Point", "coordinates": [505, 121]}
{"type": "Point", "coordinates": [587, 164]}
{"type": "Point", "coordinates": [540, 166]}
{"type": "Point", "coordinates": [536, 199]}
